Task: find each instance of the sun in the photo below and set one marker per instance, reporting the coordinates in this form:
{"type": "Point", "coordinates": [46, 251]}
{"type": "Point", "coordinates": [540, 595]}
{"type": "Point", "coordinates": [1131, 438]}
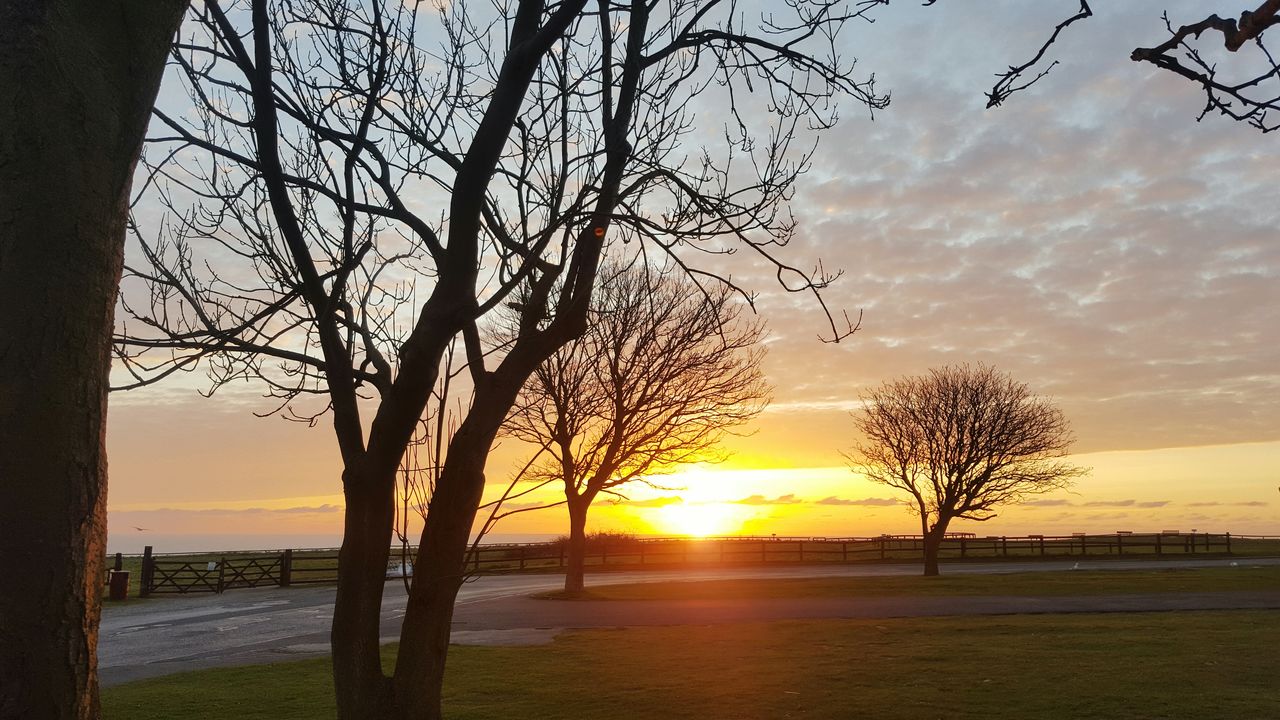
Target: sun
{"type": "Point", "coordinates": [699, 519]}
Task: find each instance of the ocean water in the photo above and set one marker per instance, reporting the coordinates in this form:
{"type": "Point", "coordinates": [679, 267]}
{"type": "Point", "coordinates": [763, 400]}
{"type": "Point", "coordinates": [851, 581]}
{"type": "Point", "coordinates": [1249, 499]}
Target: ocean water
{"type": "Point", "coordinates": [133, 542]}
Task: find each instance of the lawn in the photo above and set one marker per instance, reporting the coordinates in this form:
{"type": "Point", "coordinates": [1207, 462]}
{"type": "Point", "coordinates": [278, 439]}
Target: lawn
{"type": "Point", "coordinates": [1099, 582]}
{"type": "Point", "coordinates": [1144, 665]}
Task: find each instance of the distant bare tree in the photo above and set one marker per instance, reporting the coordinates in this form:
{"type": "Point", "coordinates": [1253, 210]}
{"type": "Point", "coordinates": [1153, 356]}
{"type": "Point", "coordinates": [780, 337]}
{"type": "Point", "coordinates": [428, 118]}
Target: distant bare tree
{"type": "Point", "coordinates": [661, 374]}
{"type": "Point", "coordinates": [349, 195]}
{"type": "Point", "coordinates": [961, 441]}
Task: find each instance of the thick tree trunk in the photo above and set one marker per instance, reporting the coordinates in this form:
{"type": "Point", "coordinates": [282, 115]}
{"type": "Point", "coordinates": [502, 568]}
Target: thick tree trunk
{"type": "Point", "coordinates": [362, 690]}
{"type": "Point", "coordinates": [932, 545]}
{"type": "Point", "coordinates": [79, 80]}
{"type": "Point", "coordinates": [439, 570]}
{"type": "Point", "coordinates": [437, 576]}
{"type": "Point", "coordinates": [574, 581]}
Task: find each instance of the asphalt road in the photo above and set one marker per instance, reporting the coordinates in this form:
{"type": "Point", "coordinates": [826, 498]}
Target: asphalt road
{"type": "Point", "coordinates": [244, 627]}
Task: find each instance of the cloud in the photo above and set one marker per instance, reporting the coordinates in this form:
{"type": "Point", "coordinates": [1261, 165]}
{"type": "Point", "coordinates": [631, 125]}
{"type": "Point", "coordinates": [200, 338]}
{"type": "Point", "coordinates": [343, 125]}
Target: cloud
{"type": "Point", "coordinates": [653, 502]}
{"type": "Point", "coordinates": [1046, 503]}
{"type": "Point", "coordinates": [968, 236]}
{"type": "Point", "coordinates": [1126, 503]}
{"type": "Point", "coordinates": [511, 506]}
{"type": "Point", "coordinates": [326, 508]}
{"type": "Point", "coordinates": [864, 502]}
{"type": "Point", "coordinates": [788, 499]}
{"type": "Point", "coordinates": [1215, 503]}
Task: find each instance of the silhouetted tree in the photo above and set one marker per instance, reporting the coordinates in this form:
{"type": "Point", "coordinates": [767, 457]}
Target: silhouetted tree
{"type": "Point", "coordinates": [78, 82]}
{"type": "Point", "coordinates": [661, 373]}
{"type": "Point", "coordinates": [1249, 92]}
{"type": "Point", "coordinates": [1254, 92]}
{"type": "Point", "coordinates": [961, 441]}
{"type": "Point", "coordinates": [350, 195]}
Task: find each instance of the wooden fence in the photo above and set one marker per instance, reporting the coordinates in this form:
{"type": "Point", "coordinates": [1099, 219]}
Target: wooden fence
{"type": "Point", "coordinates": [187, 573]}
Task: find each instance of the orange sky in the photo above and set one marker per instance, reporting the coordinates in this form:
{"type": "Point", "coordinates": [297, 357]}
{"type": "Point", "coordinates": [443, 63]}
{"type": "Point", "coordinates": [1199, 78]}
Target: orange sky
{"type": "Point", "coordinates": [1090, 238]}
{"type": "Point", "coordinates": [219, 472]}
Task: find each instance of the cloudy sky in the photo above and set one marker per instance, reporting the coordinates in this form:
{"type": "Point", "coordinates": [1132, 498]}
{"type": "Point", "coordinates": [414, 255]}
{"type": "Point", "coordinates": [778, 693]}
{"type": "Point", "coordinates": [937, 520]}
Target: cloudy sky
{"type": "Point", "coordinates": [1090, 237]}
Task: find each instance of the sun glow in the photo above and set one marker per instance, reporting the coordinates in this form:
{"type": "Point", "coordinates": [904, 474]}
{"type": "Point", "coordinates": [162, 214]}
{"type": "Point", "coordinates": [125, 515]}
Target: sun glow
{"type": "Point", "coordinates": [700, 519]}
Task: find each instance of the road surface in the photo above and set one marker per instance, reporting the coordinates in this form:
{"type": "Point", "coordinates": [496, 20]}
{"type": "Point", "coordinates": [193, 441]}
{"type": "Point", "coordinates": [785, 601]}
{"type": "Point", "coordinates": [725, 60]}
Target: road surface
{"type": "Point", "coordinates": [243, 627]}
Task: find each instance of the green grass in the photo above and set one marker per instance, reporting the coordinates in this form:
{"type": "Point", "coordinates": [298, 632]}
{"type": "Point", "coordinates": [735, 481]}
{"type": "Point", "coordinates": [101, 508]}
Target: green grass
{"type": "Point", "coordinates": [1256, 547]}
{"type": "Point", "coordinates": [1101, 582]}
{"type": "Point", "coordinates": [1142, 665]}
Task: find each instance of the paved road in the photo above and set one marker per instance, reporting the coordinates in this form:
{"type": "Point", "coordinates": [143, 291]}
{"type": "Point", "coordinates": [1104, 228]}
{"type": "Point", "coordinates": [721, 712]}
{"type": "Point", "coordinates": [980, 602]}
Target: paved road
{"type": "Point", "coordinates": [243, 627]}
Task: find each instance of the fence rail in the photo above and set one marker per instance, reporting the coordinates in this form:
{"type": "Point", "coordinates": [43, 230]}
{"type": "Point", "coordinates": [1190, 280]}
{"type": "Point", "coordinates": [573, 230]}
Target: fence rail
{"type": "Point", "coordinates": [198, 573]}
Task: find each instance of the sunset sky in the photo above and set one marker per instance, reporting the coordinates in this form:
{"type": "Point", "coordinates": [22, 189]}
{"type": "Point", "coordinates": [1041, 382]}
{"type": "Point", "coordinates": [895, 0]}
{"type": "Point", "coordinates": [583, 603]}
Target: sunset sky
{"type": "Point", "coordinates": [1090, 238]}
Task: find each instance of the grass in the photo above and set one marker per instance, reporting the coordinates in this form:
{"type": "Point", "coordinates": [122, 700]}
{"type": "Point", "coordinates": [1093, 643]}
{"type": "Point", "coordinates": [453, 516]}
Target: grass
{"type": "Point", "coordinates": [1142, 665]}
{"type": "Point", "coordinates": [1103, 582]}
{"type": "Point", "coordinates": [1256, 547]}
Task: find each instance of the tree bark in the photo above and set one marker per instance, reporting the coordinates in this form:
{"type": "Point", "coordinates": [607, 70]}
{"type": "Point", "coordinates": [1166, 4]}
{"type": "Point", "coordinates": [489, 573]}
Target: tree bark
{"type": "Point", "coordinates": [437, 576]}
{"type": "Point", "coordinates": [361, 688]}
{"type": "Point", "coordinates": [932, 545]}
{"type": "Point", "coordinates": [79, 80]}
{"type": "Point", "coordinates": [574, 580]}
{"type": "Point", "coordinates": [439, 569]}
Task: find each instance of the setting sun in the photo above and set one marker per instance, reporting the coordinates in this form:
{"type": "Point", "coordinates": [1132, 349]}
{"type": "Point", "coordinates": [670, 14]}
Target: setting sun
{"type": "Point", "coordinates": [700, 519]}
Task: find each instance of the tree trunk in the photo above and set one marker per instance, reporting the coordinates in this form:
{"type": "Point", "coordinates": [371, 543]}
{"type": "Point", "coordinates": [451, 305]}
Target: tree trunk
{"type": "Point", "coordinates": [79, 80]}
{"type": "Point", "coordinates": [362, 690]}
{"type": "Point", "coordinates": [574, 582]}
{"type": "Point", "coordinates": [439, 570]}
{"type": "Point", "coordinates": [437, 576]}
{"type": "Point", "coordinates": [932, 545]}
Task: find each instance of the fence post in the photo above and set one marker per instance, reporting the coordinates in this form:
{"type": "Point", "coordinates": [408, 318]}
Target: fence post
{"type": "Point", "coordinates": [1228, 543]}
{"type": "Point", "coordinates": [963, 548]}
{"type": "Point", "coordinates": [144, 586]}
{"type": "Point", "coordinates": [119, 562]}
{"type": "Point", "coordinates": [1159, 543]}
{"type": "Point", "coordinates": [1119, 544]}
{"type": "Point", "coordinates": [222, 569]}
{"type": "Point", "coordinates": [1004, 546]}
{"type": "Point", "coordinates": [881, 547]}
{"type": "Point", "coordinates": [286, 568]}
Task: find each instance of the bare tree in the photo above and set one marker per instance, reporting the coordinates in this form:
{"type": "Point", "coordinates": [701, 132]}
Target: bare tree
{"type": "Point", "coordinates": [961, 441]}
{"type": "Point", "coordinates": [1254, 93]}
{"type": "Point", "coordinates": [350, 195]}
{"type": "Point", "coordinates": [661, 374]}
{"type": "Point", "coordinates": [1249, 91]}
{"type": "Point", "coordinates": [79, 79]}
